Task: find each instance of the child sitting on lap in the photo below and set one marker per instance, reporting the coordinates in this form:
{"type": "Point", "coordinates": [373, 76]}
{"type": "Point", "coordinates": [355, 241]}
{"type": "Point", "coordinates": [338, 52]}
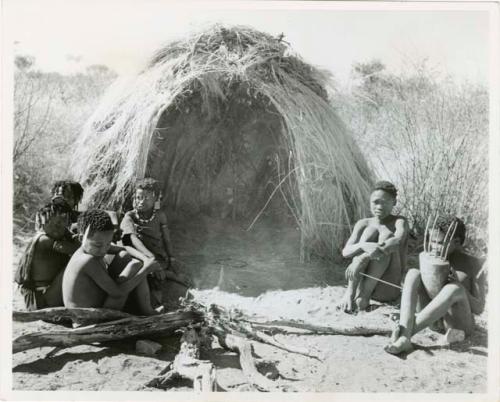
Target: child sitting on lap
{"type": "Point", "coordinates": [145, 229]}
{"type": "Point", "coordinates": [87, 282]}
{"type": "Point", "coordinates": [455, 303]}
{"type": "Point", "coordinates": [379, 246]}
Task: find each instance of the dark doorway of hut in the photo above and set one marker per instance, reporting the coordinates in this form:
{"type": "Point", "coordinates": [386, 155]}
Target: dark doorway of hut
{"type": "Point", "coordinates": [228, 190]}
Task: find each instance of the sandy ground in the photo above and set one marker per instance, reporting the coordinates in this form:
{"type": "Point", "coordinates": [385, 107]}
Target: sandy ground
{"type": "Point", "coordinates": [248, 268]}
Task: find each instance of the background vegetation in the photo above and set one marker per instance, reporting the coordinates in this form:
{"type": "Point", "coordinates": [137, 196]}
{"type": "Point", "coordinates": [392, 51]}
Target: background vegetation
{"type": "Point", "coordinates": [425, 132]}
{"type": "Point", "coordinates": [429, 135]}
{"type": "Point", "coordinates": [49, 110]}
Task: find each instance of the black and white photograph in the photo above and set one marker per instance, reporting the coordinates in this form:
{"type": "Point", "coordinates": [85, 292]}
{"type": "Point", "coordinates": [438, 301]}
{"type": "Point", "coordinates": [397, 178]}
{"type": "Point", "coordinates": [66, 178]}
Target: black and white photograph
{"type": "Point", "coordinates": [249, 196]}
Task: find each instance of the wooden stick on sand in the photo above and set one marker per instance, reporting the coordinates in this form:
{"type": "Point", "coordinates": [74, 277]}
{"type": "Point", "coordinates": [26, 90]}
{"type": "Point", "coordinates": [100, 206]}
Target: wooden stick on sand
{"type": "Point", "coordinates": [381, 280]}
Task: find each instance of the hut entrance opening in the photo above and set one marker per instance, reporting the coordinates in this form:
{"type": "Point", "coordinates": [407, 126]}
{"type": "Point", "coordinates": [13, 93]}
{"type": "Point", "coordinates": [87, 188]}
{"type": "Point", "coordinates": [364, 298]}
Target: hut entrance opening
{"type": "Point", "coordinates": [218, 163]}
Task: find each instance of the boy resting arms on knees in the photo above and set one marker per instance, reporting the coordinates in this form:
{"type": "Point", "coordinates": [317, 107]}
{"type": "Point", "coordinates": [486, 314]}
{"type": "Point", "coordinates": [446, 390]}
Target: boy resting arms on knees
{"type": "Point", "coordinates": [145, 229]}
{"type": "Point", "coordinates": [87, 282]}
{"type": "Point", "coordinates": [379, 247]}
{"type": "Point", "coordinates": [462, 296]}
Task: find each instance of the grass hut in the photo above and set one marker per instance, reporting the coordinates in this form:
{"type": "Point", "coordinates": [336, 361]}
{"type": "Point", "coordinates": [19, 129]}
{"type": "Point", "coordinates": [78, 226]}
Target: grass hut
{"type": "Point", "coordinates": [229, 119]}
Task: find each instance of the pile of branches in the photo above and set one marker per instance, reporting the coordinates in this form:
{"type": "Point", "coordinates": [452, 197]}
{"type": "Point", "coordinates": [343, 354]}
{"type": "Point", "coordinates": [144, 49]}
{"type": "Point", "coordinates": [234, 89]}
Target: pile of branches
{"type": "Point", "coordinates": [199, 324]}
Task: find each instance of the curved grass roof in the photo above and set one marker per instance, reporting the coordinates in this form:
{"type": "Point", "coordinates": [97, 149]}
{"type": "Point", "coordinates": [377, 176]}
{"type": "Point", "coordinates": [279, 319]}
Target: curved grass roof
{"type": "Point", "coordinates": [332, 178]}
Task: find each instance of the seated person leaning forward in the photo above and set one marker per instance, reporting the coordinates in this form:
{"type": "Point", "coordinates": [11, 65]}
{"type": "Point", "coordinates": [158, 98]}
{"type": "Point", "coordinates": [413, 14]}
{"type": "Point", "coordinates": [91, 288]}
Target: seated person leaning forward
{"type": "Point", "coordinates": [462, 295]}
{"type": "Point", "coordinates": [41, 268]}
{"type": "Point", "coordinates": [145, 230]}
{"type": "Point", "coordinates": [379, 247]}
{"type": "Point", "coordinates": [88, 280]}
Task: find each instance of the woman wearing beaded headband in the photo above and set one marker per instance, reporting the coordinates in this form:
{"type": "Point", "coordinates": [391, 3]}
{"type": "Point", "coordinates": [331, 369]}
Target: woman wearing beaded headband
{"type": "Point", "coordinates": [39, 274]}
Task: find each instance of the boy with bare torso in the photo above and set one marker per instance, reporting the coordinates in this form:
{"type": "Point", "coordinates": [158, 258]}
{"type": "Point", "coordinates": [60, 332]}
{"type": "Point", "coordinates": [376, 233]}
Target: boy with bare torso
{"type": "Point", "coordinates": [462, 296]}
{"type": "Point", "coordinates": [378, 246]}
{"type": "Point", "coordinates": [87, 281]}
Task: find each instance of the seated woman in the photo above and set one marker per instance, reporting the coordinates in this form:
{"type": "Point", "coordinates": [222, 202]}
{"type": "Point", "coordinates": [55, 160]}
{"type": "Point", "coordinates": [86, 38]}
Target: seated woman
{"type": "Point", "coordinates": [40, 271]}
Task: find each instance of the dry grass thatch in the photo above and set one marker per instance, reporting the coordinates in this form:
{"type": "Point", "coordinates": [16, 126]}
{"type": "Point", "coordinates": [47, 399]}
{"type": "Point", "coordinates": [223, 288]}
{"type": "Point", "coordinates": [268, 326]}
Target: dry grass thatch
{"type": "Point", "coordinates": [331, 180]}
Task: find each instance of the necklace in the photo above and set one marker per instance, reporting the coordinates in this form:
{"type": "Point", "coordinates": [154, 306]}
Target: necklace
{"type": "Point", "coordinates": [143, 221]}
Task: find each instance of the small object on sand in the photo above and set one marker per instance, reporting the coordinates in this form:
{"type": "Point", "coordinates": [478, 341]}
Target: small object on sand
{"type": "Point", "coordinates": [452, 336]}
{"type": "Point", "coordinates": [147, 347]}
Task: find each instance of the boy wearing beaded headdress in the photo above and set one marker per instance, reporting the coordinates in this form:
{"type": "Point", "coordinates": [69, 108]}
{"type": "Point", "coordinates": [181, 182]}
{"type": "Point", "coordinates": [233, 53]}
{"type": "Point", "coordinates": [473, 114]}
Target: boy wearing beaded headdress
{"type": "Point", "coordinates": [378, 246]}
{"type": "Point", "coordinates": [462, 295]}
{"type": "Point", "coordinates": [145, 229]}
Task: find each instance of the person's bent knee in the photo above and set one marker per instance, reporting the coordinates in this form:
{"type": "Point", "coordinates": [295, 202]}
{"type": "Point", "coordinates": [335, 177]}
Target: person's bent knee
{"type": "Point", "coordinates": [413, 275]}
{"type": "Point", "coordinates": [122, 254]}
{"type": "Point", "coordinates": [362, 259]}
{"type": "Point", "coordinates": [135, 264]}
{"type": "Point", "coordinates": [455, 291]}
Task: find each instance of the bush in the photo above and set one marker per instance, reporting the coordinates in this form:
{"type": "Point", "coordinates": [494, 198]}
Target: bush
{"type": "Point", "coordinates": [49, 111]}
{"type": "Point", "coordinates": [427, 134]}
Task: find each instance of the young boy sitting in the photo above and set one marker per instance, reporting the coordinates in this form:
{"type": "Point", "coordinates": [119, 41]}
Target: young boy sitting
{"type": "Point", "coordinates": [379, 246]}
{"type": "Point", "coordinates": [40, 271]}
{"type": "Point", "coordinates": [461, 297]}
{"type": "Point", "coordinates": [145, 229]}
{"type": "Point", "coordinates": [87, 281]}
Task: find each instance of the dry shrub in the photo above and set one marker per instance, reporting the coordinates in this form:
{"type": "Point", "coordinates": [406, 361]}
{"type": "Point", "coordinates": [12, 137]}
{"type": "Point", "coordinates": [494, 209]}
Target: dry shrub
{"type": "Point", "coordinates": [429, 135]}
{"type": "Point", "coordinates": [49, 111]}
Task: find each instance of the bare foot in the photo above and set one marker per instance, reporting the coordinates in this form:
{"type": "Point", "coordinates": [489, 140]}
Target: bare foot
{"type": "Point", "coordinates": [452, 336]}
{"type": "Point", "coordinates": [347, 304]}
{"type": "Point", "coordinates": [154, 311]}
{"type": "Point", "coordinates": [396, 333]}
{"type": "Point", "coordinates": [160, 309]}
{"type": "Point", "coordinates": [401, 345]}
{"type": "Point", "coordinates": [362, 303]}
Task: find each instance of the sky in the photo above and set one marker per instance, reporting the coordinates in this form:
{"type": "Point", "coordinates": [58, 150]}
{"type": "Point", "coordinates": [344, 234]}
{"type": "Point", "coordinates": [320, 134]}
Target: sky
{"type": "Point", "coordinates": [68, 35]}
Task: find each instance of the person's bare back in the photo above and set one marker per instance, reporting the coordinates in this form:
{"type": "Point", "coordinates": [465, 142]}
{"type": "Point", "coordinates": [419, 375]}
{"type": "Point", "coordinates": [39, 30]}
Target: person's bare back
{"type": "Point", "coordinates": [79, 287]}
{"type": "Point", "coordinates": [87, 282]}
